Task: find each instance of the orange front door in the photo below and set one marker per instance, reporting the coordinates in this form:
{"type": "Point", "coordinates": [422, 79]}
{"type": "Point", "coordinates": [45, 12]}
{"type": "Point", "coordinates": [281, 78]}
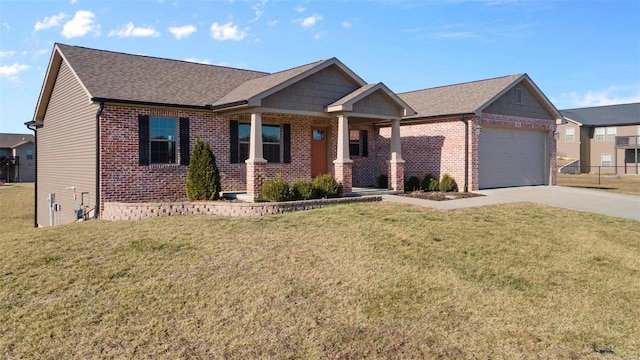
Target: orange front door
{"type": "Point", "coordinates": [318, 151]}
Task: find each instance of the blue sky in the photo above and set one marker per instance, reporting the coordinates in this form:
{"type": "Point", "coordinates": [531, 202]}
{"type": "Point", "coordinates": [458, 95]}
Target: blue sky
{"type": "Point", "coordinates": [580, 53]}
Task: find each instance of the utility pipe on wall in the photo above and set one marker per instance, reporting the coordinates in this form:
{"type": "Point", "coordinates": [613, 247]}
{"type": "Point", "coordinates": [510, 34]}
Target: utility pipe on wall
{"type": "Point", "coordinates": [466, 152]}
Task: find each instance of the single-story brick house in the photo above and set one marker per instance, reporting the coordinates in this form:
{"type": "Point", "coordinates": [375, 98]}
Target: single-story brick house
{"type": "Point", "coordinates": [601, 138]}
{"type": "Point", "coordinates": [115, 127]}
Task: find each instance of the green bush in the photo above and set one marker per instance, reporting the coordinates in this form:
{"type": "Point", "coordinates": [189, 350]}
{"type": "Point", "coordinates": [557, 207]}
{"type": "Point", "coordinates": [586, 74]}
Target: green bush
{"type": "Point", "coordinates": [302, 190]}
{"type": "Point", "coordinates": [276, 189]}
{"type": "Point", "coordinates": [325, 186]}
{"type": "Point", "coordinates": [447, 184]}
{"type": "Point", "coordinates": [427, 183]}
{"type": "Point", "coordinates": [382, 182]}
{"type": "Point", "coordinates": [413, 184]}
{"type": "Point", "coordinates": [203, 177]}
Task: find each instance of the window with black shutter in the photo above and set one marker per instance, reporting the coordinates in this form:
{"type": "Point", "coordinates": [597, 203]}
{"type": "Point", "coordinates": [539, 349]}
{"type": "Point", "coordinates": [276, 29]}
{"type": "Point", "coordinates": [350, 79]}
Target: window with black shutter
{"type": "Point", "coordinates": [274, 142]}
{"type": "Point", "coordinates": [185, 151]}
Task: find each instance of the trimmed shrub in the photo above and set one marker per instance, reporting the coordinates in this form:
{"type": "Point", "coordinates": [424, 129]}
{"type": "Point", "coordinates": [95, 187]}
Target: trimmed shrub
{"type": "Point", "coordinates": [447, 184]}
{"type": "Point", "coordinates": [382, 182]}
{"type": "Point", "coordinates": [302, 190]}
{"type": "Point", "coordinates": [434, 185]}
{"type": "Point", "coordinates": [325, 186]}
{"type": "Point", "coordinates": [203, 177]}
{"type": "Point", "coordinates": [427, 183]}
{"type": "Point", "coordinates": [276, 190]}
{"type": "Point", "coordinates": [413, 184]}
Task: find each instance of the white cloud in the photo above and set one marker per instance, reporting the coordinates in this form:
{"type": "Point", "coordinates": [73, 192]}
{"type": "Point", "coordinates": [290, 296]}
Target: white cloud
{"type": "Point", "coordinates": [130, 30]}
{"type": "Point", "coordinates": [310, 21]}
{"type": "Point", "coordinates": [7, 53]}
{"type": "Point", "coordinates": [259, 9]}
{"type": "Point", "coordinates": [300, 9]}
{"type": "Point", "coordinates": [317, 36]}
{"type": "Point", "coordinates": [611, 95]}
{"type": "Point", "coordinates": [49, 21]}
{"type": "Point", "coordinates": [272, 23]}
{"type": "Point", "coordinates": [182, 31]}
{"type": "Point", "coordinates": [226, 31]}
{"type": "Point", "coordinates": [42, 52]}
{"type": "Point", "coordinates": [10, 72]}
{"type": "Point", "coordinates": [6, 26]}
{"type": "Point", "coordinates": [73, 2]}
{"type": "Point", "coordinates": [81, 24]}
{"type": "Point", "coordinates": [346, 24]}
{"type": "Point", "coordinates": [195, 60]}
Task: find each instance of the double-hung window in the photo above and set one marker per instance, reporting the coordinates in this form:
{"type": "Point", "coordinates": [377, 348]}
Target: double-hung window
{"type": "Point", "coordinates": [599, 134]}
{"type": "Point", "coordinates": [29, 154]}
{"type": "Point", "coordinates": [358, 143]}
{"type": "Point", "coordinates": [270, 142]}
{"type": "Point", "coordinates": [611, 134]}
{"type": "Point", "coordinates": [570, 135]}
{"type": "Point", "coordinates": [163, 140]}
{"type": "Point", "coordinates": [605, 160]}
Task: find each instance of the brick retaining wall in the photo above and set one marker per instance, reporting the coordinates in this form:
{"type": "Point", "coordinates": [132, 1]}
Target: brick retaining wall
{"type": "Point", "coordinates": [136, 211]}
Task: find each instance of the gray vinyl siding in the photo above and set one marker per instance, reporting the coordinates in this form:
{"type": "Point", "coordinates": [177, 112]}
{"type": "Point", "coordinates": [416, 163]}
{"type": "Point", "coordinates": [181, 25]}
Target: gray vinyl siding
{"type": "Point", "coordinates": [379, 104]}
{"type": "Point", "coordinates": [529, 108]}
{"type": "Point", "coordinates": [26, 168]}
{"type": "Point", "coordinates": [313, 93]}
{"type": "Point", "coordinates": [66, 149]}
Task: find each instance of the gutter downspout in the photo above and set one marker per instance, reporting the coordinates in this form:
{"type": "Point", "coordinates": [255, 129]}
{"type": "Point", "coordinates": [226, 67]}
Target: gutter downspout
{"type": "Point", "coordinates": [466, 152]}
{"type": "Point", "coordinates": [31, 125]}
{"type": "Point", "coordinates": [96, 212]}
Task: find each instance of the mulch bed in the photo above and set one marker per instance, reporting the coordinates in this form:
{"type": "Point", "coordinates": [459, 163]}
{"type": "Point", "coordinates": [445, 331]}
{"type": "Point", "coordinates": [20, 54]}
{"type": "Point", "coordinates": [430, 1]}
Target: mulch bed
{"type": "Point", "coordinates": [440, 196]}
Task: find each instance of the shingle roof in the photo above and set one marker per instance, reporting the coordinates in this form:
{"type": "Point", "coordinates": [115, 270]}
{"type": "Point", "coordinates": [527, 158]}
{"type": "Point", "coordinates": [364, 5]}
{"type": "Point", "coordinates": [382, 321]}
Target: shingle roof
{"type": "Point", "coordinates": [254, 87]}
{"type": "Point", "coordinates": [622, 114]}
{"type": "Point", "coordinates": [465, 98]}
{"type": "Point", "coordinates": [8, 141]}
{"type": "Point", "coordinates": [119, 76]}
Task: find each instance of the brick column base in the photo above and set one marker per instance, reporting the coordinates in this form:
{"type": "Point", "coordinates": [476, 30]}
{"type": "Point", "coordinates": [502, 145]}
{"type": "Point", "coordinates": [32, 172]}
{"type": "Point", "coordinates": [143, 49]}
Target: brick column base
{"type": "Point", "coordinates": [396, 175]}
{"type": "Point", "coordinates": [344, 175]}
{"type": "Point", "coordinates": [256, 174]}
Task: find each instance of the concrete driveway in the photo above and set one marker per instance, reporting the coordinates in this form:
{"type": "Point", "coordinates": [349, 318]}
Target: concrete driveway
{"type": "Point", "coordinates": [599, 202]}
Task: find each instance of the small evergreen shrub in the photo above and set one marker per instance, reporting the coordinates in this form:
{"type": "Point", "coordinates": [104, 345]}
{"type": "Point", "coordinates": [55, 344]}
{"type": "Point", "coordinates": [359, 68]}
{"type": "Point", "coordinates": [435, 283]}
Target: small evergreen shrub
{"type": "Point", "coordinates": [203, 177]}
{"type": "Point", "coordinates": [325, 186]}
{"type": "Point", "coordinates": [276, 190]}
{"type": "Point", "coordinates": [434, 185]}
{"type": "Point", "coordinates": [427, 182]}
{"type": "Point", "coordinates": [302, 190]}
{"type": "Point", "coordinates": [447, 184]}
{"type": "Point", "coordinates": [413, 184]}
{"type": "Point", "coordinates": [382, 182]}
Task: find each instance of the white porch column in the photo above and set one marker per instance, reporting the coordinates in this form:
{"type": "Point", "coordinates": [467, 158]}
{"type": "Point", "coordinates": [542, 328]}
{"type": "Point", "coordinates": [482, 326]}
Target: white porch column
{"type": "Point", "coordinates": [396, 148]}
{"type": "Point", "coordinates": [343, 139]}
{"type": "Point", "coordinates": [343, 164]}
{"type": "Point", "coordinates": [396, 164]}
{"type": "Point", "coordinates": [256, 164]}
{"type": "Point", "coordinates": [255, 142]}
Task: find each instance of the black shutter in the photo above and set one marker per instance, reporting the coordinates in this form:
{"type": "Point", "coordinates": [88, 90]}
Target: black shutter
{"type": "Point", "coordinates": [233, 139]}
{"type": "Point", "coordinates": [144, 148]}
{"type": "Point", "coordinates": [364, 142]}
{"type": "Point", "coordinates": [286, 143]}
{"type": "Point", "coordinates": [185, 152]}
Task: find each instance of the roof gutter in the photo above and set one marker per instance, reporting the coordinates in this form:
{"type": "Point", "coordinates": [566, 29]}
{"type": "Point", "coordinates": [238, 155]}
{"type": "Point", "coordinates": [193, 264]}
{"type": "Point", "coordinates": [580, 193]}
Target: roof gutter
{"type": "Point", "coordinates": [227, 106]}
{"type": "Point", "coordinates": [31, 125]}
{"type": "Point", "coordinates": [147, 103]}
{"type": "Point", "coordinates": [434, 118]}
{"type": "Point", "coordinates": [466, 152]}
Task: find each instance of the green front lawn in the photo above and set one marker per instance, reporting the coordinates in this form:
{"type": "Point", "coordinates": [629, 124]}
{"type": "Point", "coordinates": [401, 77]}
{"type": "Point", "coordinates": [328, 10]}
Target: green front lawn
{"type": "Point", "coordinates": [377, 280]}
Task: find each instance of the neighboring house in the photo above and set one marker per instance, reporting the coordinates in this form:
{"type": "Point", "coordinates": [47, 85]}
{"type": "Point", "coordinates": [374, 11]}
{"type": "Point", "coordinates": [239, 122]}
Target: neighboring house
{"type": "Point", "coordinates": [602, 138]}
{"type": "Point", "coordinates": [506, 124]}
{"type": "Point", "coordinates": [114, 127]}
{"type": "Point", "coordinates": [17, 160]}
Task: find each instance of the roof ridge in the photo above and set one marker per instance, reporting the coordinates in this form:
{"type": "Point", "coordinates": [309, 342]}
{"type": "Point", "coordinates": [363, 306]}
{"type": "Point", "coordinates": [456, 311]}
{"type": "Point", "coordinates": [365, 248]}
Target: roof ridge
{"type": "Point", "coordinates": [161, 58]}
{"type": "Point", "coordinates": [318, 62]}
{"type": "Point", "coordinates": [601, 106]}
{"type": "Point", "coordinates": [463, 83]}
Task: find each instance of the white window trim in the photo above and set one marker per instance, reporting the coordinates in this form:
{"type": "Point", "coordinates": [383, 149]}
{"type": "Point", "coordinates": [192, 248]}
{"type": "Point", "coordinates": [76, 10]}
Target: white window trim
{"type": "Point", "coordinates": [570, 135]}
{"type": "Point", "coordinates": [602, 160]}
{"type": "Point", "coordinates": [600, 132]}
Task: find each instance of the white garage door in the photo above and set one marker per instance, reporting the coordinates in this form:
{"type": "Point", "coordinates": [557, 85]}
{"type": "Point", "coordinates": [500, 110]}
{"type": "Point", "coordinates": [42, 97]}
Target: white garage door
{"type": "Point", "coordinates": [512, 157]}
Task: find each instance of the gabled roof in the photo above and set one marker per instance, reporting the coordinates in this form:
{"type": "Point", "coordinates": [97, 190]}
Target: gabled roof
{"type": "Point", "coordinates": [252, 91]}
{"type": "Point", "coordinates": [10, 141]}
{"type": "Point", "coordinates": [136, 78]}
{"type": "Point", "coordinates": [346, 103]}
{"type": "Point", "coordinates": [610, 115]}
{"type": "Point", "coordinates": [469, 98]}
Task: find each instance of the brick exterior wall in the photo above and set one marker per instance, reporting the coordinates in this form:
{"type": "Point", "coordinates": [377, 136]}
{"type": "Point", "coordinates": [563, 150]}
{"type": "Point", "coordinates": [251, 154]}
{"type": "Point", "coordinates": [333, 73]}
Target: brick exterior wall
{"type": "Point", "coordinates": [122, 179]}
{"type": "Point", "coordinates": [438, 147]}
